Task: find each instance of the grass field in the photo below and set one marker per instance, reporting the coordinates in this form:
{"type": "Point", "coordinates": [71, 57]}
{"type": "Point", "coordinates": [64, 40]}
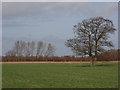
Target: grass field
{"type": "Point", "coordinates": [60, 75]}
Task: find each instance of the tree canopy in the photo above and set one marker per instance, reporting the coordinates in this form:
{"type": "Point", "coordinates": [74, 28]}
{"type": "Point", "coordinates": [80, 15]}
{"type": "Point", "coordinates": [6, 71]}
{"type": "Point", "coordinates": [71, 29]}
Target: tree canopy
{"type": "Point", "coordinates": [91, 36]}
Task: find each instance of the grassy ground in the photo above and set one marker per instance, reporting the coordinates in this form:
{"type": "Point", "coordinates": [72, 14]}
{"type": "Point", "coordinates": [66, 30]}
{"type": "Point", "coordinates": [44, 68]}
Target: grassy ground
{"type": "Point", "coordinates": [81, 75]}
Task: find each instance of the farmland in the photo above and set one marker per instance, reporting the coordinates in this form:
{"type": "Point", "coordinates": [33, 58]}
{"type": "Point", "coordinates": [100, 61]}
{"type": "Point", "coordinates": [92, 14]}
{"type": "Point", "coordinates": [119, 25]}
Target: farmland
{"type": "Point", "coordinates": [60, 75]}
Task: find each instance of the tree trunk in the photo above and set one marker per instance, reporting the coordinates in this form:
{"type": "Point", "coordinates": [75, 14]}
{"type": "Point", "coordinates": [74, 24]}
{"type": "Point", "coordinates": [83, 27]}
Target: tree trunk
{"type": "Point", "coordinates": [92, 60]}
{"type": "Point", "coordinates": [95, 59]}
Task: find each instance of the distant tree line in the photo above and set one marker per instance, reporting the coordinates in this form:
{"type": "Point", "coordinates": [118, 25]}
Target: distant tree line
{"type": "Point", "coordinates": [44, 59]}
{"type": "Point", "coordinates": [29, 49]}
{"type": "Point", "coordinates": [110, 55]}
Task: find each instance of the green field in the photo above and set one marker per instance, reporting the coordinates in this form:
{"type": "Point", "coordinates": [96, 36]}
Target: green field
{"type": "Point", "coordinates": [81, 75]}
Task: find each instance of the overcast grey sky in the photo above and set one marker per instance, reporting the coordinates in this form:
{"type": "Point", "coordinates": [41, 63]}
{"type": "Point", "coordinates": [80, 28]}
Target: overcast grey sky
{"type": "Point", "coordinates": [51, 22]}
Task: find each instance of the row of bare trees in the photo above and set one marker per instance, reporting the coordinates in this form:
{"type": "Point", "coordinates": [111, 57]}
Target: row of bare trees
{"type": "Point", "coordinates": [110, 55]}
{"type": "Point", "coordinates": [29, 49]}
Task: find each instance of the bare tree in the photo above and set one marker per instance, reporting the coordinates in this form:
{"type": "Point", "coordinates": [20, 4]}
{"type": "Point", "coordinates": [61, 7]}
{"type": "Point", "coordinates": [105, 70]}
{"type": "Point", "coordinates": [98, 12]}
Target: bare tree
{"type": "Point", "coordinates": [22, 45]}
{"type": "Point", "coordinates": [91, 37]}
{"type": "Point", "coordinates": [10, 53]}
{"type": "Point", "coordinates": [7, 53]}
{"type": "Point", "coordinates": [16, 48]}
{"type": "Point", "coordinates": [39, 47]}
{"type": "Point", "coordinates": [50, 50]}
{"type": "Point", "coordinates": [28, 49]}
{"type": "Point", "coordinates": [42, 52]}
{"type": "Point", "coordinates": [32, 46]}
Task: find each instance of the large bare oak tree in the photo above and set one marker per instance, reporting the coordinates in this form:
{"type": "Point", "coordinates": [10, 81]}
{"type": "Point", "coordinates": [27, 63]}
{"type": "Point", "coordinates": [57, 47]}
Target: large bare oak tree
{"type": "Point", "coordinates": [91, 37]}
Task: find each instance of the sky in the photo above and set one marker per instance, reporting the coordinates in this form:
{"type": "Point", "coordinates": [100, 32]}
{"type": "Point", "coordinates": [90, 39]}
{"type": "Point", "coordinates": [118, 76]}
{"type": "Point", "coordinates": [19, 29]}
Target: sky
{"type": "Point", "coordinates": [51, 21]}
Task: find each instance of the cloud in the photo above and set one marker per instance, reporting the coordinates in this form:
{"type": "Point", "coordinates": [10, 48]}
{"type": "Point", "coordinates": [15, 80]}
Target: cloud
{"type": "Point", "coordinates": [110, 9]}
{"type": "Point", "coordinates": [8, 25]}
{"type": "Point", "coordinates": [14, 9]}
{"type": "Point", "coordinates": [26, 9]}
{"type": "Point", "coordinates": [47, 9]}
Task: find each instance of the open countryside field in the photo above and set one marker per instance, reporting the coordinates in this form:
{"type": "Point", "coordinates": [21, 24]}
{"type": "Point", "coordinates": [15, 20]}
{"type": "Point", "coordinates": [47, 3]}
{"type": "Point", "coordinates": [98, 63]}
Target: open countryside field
{"type": "Point", "coordinates": [60, 75]}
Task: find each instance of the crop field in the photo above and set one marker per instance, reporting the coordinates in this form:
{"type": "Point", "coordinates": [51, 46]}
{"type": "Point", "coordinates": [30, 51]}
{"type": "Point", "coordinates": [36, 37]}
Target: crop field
{"type": "Point", "coordinates": [60, 75]}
